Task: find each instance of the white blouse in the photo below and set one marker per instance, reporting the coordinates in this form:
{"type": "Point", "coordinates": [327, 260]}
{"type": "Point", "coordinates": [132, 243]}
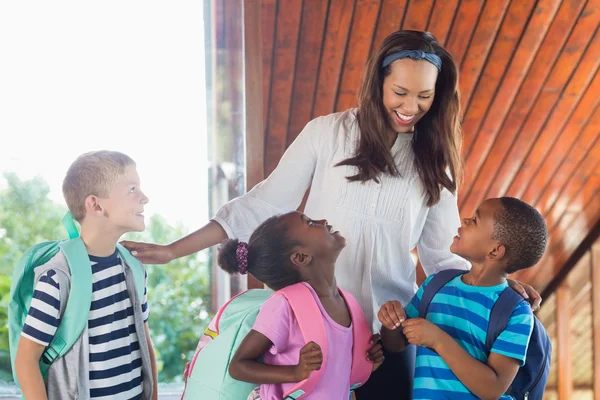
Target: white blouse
{"type": "Point", "coordinates": [382, 222]}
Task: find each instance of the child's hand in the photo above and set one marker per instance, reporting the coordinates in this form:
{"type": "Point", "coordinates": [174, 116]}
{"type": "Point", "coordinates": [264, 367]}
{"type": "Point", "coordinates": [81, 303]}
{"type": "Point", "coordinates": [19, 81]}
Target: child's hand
{"type": "Point", "coordinates": [421, 332]}
{"type": "Point", "coordinates": [391, 315]}
{"type": "Point", "coordinates": [375, 353]}
{"type": "Point", "coordinates": [311, 359]}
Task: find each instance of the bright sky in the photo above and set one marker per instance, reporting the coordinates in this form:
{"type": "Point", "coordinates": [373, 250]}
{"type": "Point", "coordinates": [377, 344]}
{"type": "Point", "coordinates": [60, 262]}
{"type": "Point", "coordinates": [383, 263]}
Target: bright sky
{"type": "Point", "coordinates": [126, 76]}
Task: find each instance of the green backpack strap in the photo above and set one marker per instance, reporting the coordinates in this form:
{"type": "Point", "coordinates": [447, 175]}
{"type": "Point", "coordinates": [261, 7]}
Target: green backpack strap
{"type": "Point", "coordinates": [78, 304]}
{"type": "Point", "coordinates": [69, 223]}
{"type": "Point", "coordinates": [80, 296]}
{"type": "Point", "coordinates": [136, 268]}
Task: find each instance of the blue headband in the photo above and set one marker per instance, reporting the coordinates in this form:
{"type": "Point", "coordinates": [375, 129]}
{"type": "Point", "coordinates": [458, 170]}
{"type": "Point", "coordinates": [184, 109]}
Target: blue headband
{"type": "Point", "coordinates": [415, 55]}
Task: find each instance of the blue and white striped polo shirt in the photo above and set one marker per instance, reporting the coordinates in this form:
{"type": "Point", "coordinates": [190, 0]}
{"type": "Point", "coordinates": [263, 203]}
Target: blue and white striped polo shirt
{"type": "Point", "coordinates": [115, 361]}
{"type": "Point", "coordinates": [463, 312]}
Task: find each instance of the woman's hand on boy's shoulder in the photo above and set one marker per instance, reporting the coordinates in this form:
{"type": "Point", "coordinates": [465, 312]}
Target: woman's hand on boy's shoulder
{"type": "Point", "coordinates": [391, 315]}
{"type": "Point", "coordinates": [149, 253]}
{"type": "Point", "coordinates": [527, 292]}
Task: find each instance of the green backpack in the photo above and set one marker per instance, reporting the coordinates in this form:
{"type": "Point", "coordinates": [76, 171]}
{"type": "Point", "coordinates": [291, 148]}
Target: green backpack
{"type": "Point", "coordinates": [74, 318]}
{"type": "Point", "coordinates": [207, 376]}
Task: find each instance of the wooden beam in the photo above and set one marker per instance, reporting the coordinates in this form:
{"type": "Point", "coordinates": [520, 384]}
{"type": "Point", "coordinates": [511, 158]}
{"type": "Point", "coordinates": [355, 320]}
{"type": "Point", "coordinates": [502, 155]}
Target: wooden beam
{"type": "Point", "coordinates": [554, 85]}
{"type": "Point", "coordinates": [480, 47]}
{"type": "Point", "coordinates": [505, 46]}
{"type": "Point", "coordinates": [572, 217]}
{"type": "Point", "coordinates": [563, 342]}
{"type": "Point", "coordinates": [567, 245]}
{"type": "Point", "coordinates": [547, 156]}
{"type": "Point", "coordinates": [462, 29]}
{"type": "Point", "coordinates": [583, 247]}
{"type": "Point", "coordinates": [335, 42]}
{"type": "Point", "coordinates": [268, 22]}
{"type": "Point", "coordinates": [417, 15]}
{"type": "Point", "coordinates": [595, 267]}
{"type": "Point", "coordinates": [359, 42]}
{"type": "Point", "coordinates": [314, 20]}
{"type": "Point", "coordinates": [563, 81]}
{"type": "Point", "coordinates": [579, 386]}
{"type": "Point", "coordinates": [255, 137]}
{"type": "Point", "coordinates": [479, 142]}
{"type": "Point", "coordinates": [289, 20]}
{"type": "Point", "coordinates": [390, 17]}
{"type": "Point", "coordinates": [441, 19]}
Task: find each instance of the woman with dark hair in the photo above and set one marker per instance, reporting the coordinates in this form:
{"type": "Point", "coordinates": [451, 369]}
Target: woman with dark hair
{"type": "Point", "coordinates": [385, 174]}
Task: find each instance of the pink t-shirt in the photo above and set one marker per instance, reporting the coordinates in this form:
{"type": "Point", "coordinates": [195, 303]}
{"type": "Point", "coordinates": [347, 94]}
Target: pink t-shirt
{"type": "Point", "coordinates": [277, 322]}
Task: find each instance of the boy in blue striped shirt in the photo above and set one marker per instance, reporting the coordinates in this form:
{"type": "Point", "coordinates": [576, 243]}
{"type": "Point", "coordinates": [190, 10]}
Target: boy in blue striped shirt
{"type": "Point", "coordinates": [113, 359]}
{"type": "Point", "coordinates": [504, 236]}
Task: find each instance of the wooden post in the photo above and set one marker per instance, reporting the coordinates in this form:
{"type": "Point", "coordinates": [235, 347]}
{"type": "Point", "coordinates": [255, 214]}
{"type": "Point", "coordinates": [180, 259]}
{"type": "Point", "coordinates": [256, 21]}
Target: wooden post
{"type": "Point", "coordinates": [255, 137]}
{"type": "Point", "coordinates": [563, 335]}
{"type": "Point", "coordinates": [595, 267]}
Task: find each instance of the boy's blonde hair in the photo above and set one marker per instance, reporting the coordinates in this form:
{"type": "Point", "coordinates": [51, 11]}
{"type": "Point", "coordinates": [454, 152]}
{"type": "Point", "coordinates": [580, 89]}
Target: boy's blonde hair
{"type": "Point", "coordinates": [92, 173]}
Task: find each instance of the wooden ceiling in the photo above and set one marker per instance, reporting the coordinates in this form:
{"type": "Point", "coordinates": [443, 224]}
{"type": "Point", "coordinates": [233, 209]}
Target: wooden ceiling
{"type": "Point", "coordinates": [530, 94]}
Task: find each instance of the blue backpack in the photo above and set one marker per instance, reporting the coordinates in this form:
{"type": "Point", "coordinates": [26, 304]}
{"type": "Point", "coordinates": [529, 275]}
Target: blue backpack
{"type": "Point", "coordinates": [530, 381]}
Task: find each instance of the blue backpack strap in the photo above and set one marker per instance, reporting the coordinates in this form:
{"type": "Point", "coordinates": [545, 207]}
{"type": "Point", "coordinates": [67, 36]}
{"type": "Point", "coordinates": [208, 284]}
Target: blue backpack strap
{"type": "Point", "coordinates": [500, 314]}
{"type": "Point", "coordinates": [435, 284]}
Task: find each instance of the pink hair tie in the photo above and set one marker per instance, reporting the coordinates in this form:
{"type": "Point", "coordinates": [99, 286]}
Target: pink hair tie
{"type": "Point", "coordinates": [241, 254]}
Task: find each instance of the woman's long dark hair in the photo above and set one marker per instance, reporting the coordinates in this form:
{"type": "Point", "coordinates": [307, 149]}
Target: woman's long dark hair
{"type": "Point", "coordinates": [438, 137]}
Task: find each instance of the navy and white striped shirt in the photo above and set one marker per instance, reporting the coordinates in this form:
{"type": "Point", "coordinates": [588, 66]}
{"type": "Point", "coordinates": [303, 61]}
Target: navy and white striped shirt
{"type": "Point", "coordinates": [115, 361]}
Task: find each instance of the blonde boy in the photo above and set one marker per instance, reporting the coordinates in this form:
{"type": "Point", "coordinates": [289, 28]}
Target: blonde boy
{"type": "Point", "coordinates": [114, 357]}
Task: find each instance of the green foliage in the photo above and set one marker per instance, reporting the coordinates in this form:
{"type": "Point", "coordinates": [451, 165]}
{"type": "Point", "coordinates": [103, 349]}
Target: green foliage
{"type": "Point", "coordinates": [27, 217]}
{"type": "Point", "coordinates": [178, 294]}
{"type": "Point", "coordinates": [5, 370]}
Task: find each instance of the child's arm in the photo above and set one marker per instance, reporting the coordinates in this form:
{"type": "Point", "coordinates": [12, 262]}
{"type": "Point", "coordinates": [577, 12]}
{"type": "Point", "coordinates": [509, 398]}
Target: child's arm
{"type": "Point", "coordinates": [38, 331]}
{"type": "Point", "coordinates": [27, 366]}
{"type": "Point", "coordinates": [245, 366]}
{"type": "Point", "coordinates": [152, 363]}
{"type": "Point", "coordinates": [485, 381]}
{"type": "Point", "coordinates": [391, 315]}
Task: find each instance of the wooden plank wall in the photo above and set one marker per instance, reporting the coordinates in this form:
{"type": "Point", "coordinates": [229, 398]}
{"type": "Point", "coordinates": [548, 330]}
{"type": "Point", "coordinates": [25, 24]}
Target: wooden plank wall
{"type": "Point", "coordinates": [529, 82]}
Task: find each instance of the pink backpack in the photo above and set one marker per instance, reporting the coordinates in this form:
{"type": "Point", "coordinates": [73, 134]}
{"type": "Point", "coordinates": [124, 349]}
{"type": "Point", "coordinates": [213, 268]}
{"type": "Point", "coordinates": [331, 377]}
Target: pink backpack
{"type": "Point", "coordinates": [207, 374]}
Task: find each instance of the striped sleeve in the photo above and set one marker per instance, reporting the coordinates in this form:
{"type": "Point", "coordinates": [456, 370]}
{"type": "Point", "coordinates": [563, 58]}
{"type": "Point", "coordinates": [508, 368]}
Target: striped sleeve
{"type": "Point", "coordinates": [412, 308]}
{"type": "Point", "coordinates": [145, 308]}
{"type": "Point", "coordinates": [43, 315]}
{"type": "Point", "coordinates": [514, 340]}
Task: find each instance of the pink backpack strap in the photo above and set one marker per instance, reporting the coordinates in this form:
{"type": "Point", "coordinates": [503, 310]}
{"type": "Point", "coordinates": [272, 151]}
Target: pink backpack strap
{"type": "Point", "coordinates": [311, 324]}
{"type": "Point", "coordinates": [361, 367]}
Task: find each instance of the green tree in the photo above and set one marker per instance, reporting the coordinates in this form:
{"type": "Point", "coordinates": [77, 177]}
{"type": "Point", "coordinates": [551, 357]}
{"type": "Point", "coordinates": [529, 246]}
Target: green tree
{"type": "Point", "coordinates": [178, 294]}
{"type": "Point", "coordinates": [27, 217]}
